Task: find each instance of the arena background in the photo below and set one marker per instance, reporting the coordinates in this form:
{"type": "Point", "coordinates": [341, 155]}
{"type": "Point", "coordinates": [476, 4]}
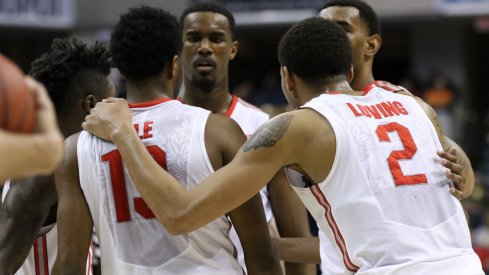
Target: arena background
{"type": "Point", "coordinates": [438, 49]}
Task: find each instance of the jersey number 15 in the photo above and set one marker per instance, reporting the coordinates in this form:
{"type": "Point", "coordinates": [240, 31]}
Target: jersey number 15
{"type": "Point", "coordinates": [119, 184]}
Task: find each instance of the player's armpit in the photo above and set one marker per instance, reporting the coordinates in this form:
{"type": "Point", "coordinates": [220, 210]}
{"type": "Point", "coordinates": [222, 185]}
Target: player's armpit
{"type": "Point", "coordinates": [74, 220]}
{"type": "Point", "coordinates": [252, 229]}
{"type": "Point", "coordinates": [292, 221]}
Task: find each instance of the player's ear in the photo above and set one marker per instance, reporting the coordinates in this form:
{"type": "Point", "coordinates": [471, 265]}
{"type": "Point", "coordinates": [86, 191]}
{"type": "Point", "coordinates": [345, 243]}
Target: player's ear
{"type": "Point", "coordinates": [175, 67]}
{"type": "Point", "coordinates": [89, 103]}
{"type": "Point", "coordinates": [288, 81]}
{"type": "Point", "coordinates": [373, 44]}
{"type": "Point", "coordinates": [233, 50]}
{"type": "Point", "coordinates": [350, 74]}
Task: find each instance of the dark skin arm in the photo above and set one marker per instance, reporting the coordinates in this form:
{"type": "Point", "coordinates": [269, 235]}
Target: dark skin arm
{"type": "Point", "coordinates": [292, 222]}
{"type": "Point", "coordinates": [75, 223]}
{"type": "Point", "coordinates": [302, 250]}
{"type": "Point", "coordinates": [454, 158]}
{"type": "Point", "coordinates": [249, 218]}
{"type": "Point", "coordinates": [25, 209]}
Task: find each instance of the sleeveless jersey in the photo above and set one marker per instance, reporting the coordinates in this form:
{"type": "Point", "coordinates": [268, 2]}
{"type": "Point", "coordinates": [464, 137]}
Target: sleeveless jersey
{"type": "Point", "coordinates": [331, 263]}
{"type": "Point", "coordinates": [385, 204]}
{"type": "Point", "coordinates": [41, 257]}
{"type": "Point", "coordinates": [132, 240]}
{"type": "Point", "coordinates": [249, 118]}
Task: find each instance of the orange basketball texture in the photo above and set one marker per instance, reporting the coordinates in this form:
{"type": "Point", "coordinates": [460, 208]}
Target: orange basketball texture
{"type": "Point", "coordinates": [17, 103]}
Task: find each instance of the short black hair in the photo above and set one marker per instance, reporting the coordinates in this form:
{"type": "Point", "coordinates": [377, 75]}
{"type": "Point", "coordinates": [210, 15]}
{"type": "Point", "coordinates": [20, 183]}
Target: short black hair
{"type": "Point", "coordinates": [144, 41]}
{"type": "Point", "coordinates": [366, 13]}
{"type": "Point", "coordinates": [210, 7]}
{"type": "Point", "coordinates": [60, 68]}
{"type": "Point", "coordinates": [316, 50]}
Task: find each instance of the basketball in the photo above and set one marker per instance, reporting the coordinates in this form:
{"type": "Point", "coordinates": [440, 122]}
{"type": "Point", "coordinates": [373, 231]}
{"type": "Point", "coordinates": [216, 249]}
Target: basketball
{"type": "Point", "coordinates": [17, 103]}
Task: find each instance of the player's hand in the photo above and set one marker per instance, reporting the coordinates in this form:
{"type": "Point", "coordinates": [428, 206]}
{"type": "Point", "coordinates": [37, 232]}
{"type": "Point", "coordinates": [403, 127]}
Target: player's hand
{"type": "Point", "coordinates": [108, 119]}
{"type": "Point", "coordinates": [454, 172]}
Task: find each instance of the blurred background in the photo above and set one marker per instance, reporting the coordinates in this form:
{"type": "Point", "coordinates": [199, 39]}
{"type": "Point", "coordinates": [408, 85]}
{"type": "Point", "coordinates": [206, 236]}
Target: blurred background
{"type": "Point", "coordinates": [438, 49]}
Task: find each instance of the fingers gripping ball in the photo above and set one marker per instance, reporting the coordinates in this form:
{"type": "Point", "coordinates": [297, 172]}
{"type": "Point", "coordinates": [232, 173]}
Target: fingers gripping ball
{"type": "Point", "coordinates": [17, 103]}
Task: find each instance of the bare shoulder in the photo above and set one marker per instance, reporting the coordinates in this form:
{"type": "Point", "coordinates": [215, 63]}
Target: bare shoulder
{"type": "Point", "coordinates": [69, 165]}
{"type": "Point", "coordinates": [219, 126]}
{"type": "Point", "coordinates": [293, 127]}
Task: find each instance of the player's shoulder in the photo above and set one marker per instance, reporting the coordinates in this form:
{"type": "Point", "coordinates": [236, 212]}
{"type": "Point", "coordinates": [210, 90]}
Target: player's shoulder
{"type": "Point", "coordinates": [222, 122]}
{"type": "Point", "coordinates": [221, 129]}
{"type": "Point", "coordinates": [71, 146]}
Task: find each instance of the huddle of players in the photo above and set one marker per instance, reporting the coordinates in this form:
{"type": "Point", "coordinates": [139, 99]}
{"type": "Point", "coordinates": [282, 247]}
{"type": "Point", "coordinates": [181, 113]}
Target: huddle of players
{"type": "Point", "coordinates": [91, 183]}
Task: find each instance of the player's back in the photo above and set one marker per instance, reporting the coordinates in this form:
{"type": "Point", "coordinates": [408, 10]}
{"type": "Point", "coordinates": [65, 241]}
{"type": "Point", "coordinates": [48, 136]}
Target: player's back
{"type": "Point", "coordinates": [386, 203]}
{"type": "Point", "coordinates": [131, 239]}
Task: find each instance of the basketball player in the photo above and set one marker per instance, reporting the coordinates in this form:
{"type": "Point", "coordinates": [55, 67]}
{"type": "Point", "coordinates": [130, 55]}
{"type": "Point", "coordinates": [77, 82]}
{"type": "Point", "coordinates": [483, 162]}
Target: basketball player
{"type": "Point", "coordinates": [94, 188]}
{"type": "Point", "coordinates": [362, 26]}
{"type": "Point", "coordinates": [76, 77]}
{"type": "Point", "coordinates": [34, 154]}
{"type": "Point", "coordinates": [362, 163]}
{"type": "Point", "coordinates": [208, 47]}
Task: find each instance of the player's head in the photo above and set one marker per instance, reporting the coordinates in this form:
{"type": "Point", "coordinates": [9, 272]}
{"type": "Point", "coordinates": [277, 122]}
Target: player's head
{"type": "Point", "coordinates": [145, 44]}
{"type": "Point", "coordinates": [317, 52]}
{"type": "Point", "coordinates": [208, 45]}
{"type": "Point", "coordinates": [362, 26]}
{"type": "Point", "coordinates": [75, 76]}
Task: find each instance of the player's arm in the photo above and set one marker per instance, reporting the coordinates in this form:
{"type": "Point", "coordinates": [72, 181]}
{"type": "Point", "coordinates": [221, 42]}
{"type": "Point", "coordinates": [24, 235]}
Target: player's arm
{"type": "Point", "coordinates": [26, 206]}
{"type": "Point", "coordinates": [454, 158]}
{"type": "Point", "coordinates": [32, 154]}
{"type": "Point", "coordinates": [298, 250]}
{"type": "Point", "coordinates": [74, 220]}
{"type": "Point", "coordinates": [182, 211]}
{"type": "Point", "coordinates": [292, 222]}
{"type": "Point", "coordinates": [248, 219]}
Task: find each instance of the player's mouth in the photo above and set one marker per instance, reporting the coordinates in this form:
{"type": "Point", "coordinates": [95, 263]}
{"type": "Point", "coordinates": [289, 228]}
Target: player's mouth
{"type": "Point", "coordinates": [204, 65]}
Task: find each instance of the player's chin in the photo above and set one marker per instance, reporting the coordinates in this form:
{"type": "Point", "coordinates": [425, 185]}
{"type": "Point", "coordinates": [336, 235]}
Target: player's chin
{"type": "Point", "coordinates": [204, 83]}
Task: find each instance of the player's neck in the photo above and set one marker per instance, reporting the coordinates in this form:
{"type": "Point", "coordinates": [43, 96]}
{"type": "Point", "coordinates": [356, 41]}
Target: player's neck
{"type": "Point", "coordinates": [216, 101]}
{"type": "Point", "coordinates": [362, 78]}
{"type": "Point", "coordinates": [139, 92]}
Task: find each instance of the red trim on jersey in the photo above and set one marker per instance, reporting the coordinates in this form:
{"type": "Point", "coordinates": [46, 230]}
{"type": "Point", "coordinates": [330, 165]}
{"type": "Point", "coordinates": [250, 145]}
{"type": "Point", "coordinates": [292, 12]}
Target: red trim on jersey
{"type": "Point", "coordinates": [45, 255]}
{"type": "Point", "coordinates": [36, 257]}
{"type": "Point", "coordinates": [369, 87]}
{"type": "Point", "coordinates": [382, 84]}
{"type": "Point", "coordinates": [149, 103]}
{"type": "Point", "coordinates": [321, 199]}
{"type": "Point", "coordinates": [89, 269]}
{"type": "Point", "coordinates": [230, 110]}
{"type": "Point", "coordinates": [334, 93]}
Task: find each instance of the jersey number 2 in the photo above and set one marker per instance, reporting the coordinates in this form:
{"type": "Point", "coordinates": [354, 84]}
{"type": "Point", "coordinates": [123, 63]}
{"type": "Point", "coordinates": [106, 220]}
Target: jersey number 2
{"type": "Point", "coordinates": [406, 154]}
{"type": "Point", "coordinates": [119, 184]}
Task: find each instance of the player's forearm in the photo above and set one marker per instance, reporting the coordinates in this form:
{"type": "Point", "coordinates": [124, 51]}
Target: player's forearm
{"type": "Point", "coordinates": [300, 268]}
{"type": "Point", "coordinates": [298, 250]}
{"type": "Point", "coordinates": [164, 195]}
{"type": "Point", "coordinates": [16, 238]}
{"type": "Point", "coordinates": [29, 154]}
{"type": "Point", "coordinates": [468, 172]}
{"type": "Point", "coordinates": [22, 214]}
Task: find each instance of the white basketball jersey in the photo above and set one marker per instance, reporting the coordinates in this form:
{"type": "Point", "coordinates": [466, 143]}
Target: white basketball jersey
{"type": "Point", "coordinates": [132, 240]}
{"type": "Point", "coordinates": [41, 257]}
{"type": "Point", "coordinates": [249, 118]}
{"type": "Point", "coordinates": [385, 204]}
